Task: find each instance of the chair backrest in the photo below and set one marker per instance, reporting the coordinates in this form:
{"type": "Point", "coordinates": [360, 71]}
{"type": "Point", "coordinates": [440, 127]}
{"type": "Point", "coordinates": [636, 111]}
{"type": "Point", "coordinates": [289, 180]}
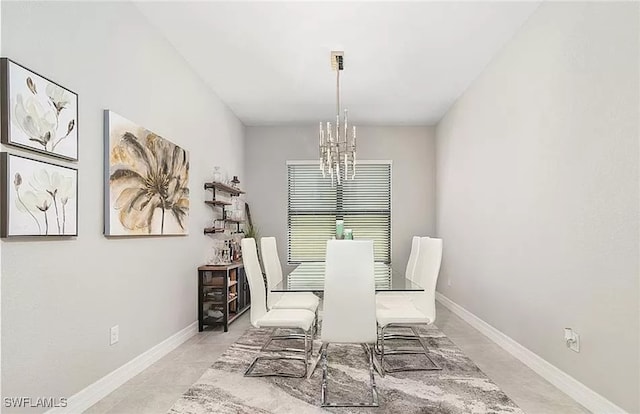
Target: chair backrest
{"type": "Point", "coordinates": [272, 266]}
{"type": "Point", "coordinates": [254, 276]}
{"type": "Point", "coordinates": [427, 271]}
{"type": "Point", "coordinates": [413, 258]}
{"type": "Point", "coordinates": [349, 308]}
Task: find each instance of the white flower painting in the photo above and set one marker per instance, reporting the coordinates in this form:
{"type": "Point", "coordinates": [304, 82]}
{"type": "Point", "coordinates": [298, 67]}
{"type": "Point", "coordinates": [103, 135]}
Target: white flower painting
{"type": "Point", "coordinates": [38, 198]}
{"type": "Point", "coordinates": [37, 113]}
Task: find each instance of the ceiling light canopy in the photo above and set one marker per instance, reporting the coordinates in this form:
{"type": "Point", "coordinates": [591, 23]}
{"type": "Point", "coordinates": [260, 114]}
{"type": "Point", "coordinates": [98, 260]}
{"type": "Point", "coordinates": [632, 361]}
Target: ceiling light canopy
{"type": "Point", "coordinates": [338, 142]}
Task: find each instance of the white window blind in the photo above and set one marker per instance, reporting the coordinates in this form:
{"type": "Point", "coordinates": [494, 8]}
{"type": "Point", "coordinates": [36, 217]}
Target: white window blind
{"type": "Point", "coordinates": [314, 205]}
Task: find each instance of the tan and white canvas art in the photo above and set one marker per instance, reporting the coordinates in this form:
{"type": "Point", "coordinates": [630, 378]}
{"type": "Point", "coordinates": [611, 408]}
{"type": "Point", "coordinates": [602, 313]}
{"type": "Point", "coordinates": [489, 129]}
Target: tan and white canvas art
{"type": "Point", "coordinates": [146, 181]}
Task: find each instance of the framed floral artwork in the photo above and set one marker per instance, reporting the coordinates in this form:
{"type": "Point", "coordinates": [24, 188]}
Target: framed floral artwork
{"type": "Point", "coordinates": [146, 181]}
{"type": "Point", "coordinates": [37, 113]}
{"type": "Point", "coordinates": [38, 198]}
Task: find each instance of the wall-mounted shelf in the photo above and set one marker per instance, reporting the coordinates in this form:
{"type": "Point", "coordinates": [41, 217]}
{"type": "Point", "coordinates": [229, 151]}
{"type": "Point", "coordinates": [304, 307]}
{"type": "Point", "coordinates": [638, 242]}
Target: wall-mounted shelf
{"type": "Point", "coordinates": [218, 203]}
{"type": "Point", "coordinates": [223, 187]}
{"type": "Point", "coordinates": [212, 230]}
{"type": "Point", "coordinates": [215, 202]}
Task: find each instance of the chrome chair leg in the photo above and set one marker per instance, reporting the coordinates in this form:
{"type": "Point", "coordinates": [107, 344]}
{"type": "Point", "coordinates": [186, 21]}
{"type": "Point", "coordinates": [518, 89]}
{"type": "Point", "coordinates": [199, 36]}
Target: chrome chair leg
{"type": "Point", "coordinates": [374, 389]}
{"type": "Point", "coordinates": [424, 351]}
{"type": "Point", "coordinates": [307, 345]}
{"type": "Point", "coordinates": [313, 364]}
{"type": "Point", "coordinates": [315, 328]}
{"type": "Point", "coordinates": [323, 390]}
{"type": "Point", "coordinates": [324, 387]}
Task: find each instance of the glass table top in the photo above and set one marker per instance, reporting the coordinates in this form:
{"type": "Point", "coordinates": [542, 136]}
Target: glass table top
{"type": "Point", "coordinates": [309, 277]}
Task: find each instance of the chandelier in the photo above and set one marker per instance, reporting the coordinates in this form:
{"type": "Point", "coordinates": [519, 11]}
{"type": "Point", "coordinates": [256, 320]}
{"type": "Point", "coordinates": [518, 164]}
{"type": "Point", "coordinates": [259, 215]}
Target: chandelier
{"type": "Point", "coordinates": [338, 142]}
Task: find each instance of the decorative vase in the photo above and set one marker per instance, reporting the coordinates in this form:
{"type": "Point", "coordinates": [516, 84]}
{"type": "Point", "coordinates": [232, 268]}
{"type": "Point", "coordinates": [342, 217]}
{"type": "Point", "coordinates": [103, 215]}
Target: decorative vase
{"type": "Point", "coordinates": [339, 229]}
{"type": "Point", "coordinates": [348, 234]}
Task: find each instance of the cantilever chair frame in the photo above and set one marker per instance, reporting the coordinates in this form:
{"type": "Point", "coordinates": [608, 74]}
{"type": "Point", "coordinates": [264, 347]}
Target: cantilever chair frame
{"type": "Point", "coordinates": [416, 337]}
{"type": "Point", "coordinates": [290, 336]}
{"type": "Point", "coordinates": [324, 390]}
{"type": "Point", "coordinates": [308, 351]}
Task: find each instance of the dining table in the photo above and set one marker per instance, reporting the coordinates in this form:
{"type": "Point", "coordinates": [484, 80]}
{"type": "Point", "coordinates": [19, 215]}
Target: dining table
{"type": "Point", "coordinates": [309, 277]}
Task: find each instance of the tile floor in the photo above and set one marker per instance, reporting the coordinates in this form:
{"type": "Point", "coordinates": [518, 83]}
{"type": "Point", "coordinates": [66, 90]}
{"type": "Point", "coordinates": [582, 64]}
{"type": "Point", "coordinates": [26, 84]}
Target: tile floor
{"type": "Point", "coordinates": [154, 390]}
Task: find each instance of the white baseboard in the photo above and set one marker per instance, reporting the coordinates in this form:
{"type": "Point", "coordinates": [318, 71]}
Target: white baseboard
{"type": "Point", "coordinates": [104, 386]}
{"type": "Point", "coordinates": [590, 399]}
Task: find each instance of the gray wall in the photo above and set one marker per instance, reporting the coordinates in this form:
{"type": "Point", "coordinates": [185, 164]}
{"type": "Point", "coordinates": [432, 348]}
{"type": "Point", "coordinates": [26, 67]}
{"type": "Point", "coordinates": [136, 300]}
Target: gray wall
{"type": "Point", "coordinates": [60, 297]}
{"type": "Point", "coordinates": [537, 196]}
{"type": "Point", "coordinates": [411, 149]}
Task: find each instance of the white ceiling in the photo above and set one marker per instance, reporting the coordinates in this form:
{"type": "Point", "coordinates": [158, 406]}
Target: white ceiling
{"type": "Point", "coordinates": [405, 62]}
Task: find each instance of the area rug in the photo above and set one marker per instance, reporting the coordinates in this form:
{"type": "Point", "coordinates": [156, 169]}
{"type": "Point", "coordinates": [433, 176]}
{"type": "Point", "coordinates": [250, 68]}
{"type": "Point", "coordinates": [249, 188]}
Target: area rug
{"type": "Point", "coordinates": [459, 388]}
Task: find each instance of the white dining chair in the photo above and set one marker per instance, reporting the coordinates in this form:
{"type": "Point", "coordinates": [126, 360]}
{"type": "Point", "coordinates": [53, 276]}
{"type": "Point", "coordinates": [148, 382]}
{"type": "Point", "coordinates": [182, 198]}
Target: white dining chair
{"type": "Point", "coordinates": [283, 300]}
{"type": "Point", "coordinates": [261, 317]}
{"type": "Point", "coordinates": [393, 298]}
{"type": "Point", "coordinates": [398, 298]}
{"type": "Point", "coordinates": [419, 310]}
{"type": "Point", "coordinates": [349, 307]}
{"type": "Point", "coordinates": [273, 269]}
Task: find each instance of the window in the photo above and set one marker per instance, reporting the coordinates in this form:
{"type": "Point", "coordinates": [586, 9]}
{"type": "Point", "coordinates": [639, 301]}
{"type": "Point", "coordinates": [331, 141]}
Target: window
{"type": "Point", "coordinates": [314, 205]}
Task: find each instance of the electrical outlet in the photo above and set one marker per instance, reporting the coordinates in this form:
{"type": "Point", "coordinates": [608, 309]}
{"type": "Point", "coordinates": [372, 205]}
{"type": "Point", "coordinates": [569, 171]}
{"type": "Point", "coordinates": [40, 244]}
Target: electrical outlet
{"type": "Point", "coordinates": [572, 339]}
{"type": "Point", "coordinates": [115, 334]}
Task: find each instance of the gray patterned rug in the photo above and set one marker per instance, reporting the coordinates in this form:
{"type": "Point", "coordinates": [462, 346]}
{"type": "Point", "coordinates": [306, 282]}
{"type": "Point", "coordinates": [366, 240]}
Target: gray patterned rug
{"type": "Point", "coordinates": [460, 387]}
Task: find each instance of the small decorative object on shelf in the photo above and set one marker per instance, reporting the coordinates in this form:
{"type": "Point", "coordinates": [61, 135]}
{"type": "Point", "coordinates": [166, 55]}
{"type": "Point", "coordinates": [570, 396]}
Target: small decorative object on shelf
{"type": "Point", "coordinates": [235, 181]}
{"type": "Point", "coordinates": [235, 211]}
{"type": "Point", "coordinates": [217, 174]}
{"type": "Point", "coordinates": [221, 254]}
{"type": "Point", "coordinates": [348, 234]}
{"type": "Point", "coordinates": [215, 314]}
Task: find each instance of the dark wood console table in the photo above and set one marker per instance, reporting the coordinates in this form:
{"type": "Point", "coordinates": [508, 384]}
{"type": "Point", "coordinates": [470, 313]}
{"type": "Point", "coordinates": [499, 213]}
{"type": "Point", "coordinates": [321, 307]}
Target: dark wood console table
{"type": "Point", "coordinates": [223, 294]}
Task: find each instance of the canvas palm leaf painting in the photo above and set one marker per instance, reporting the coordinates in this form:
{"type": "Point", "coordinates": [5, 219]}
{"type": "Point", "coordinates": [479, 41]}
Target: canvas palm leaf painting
{"type": "Point", "coordinates": [146, 181]}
